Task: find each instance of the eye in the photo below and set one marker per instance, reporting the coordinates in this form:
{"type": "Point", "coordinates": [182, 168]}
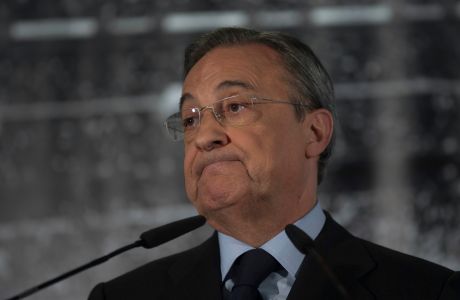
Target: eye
{"type": "Point", "coordinates": [190, 118]}
{"type": "Point", "coordinates": [189, 122]}
{"type": "Point", "coordinates": [235, 106]}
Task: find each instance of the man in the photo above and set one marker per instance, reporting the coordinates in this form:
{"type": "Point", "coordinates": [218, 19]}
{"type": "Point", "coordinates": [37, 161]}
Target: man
{"type": "Point", "coordinates": [256, 117]}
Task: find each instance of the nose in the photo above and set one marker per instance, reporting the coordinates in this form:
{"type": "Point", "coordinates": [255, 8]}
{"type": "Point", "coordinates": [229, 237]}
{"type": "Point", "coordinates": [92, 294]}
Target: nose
{"type": "Point", "coordinates": [210, 134]}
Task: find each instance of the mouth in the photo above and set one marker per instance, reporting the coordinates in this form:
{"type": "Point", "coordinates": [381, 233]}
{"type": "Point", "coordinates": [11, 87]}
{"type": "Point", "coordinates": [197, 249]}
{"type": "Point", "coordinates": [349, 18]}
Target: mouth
{"type": "Point", "coordinates": [214, 162]}
{"type": "Point", "coordinates": [217, 167]}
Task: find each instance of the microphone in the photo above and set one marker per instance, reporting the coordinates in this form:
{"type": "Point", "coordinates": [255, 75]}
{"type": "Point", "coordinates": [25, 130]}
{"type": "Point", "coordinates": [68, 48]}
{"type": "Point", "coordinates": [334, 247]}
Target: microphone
{"type": "Point", "coordinates": [149, 239]}
{"type": "Point", "coordinates": [304, 243]}
{"type": "Point", "coordinates": [160, 235]}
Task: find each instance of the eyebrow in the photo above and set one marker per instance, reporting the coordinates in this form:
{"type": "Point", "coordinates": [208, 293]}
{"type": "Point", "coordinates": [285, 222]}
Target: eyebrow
{"type": "Point", "coordinates": [234, 83]}
{"type": "Point", "coordinates": [226, 84]}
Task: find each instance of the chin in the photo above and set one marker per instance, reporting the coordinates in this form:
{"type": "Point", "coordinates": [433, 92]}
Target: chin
{"type": "Point", "coordinates": [207, 205]}
{"type": "Point", "coordinates": [216, 202]}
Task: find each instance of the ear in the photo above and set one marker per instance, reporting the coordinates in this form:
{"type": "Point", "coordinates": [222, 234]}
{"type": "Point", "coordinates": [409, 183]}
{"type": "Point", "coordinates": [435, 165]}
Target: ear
{"type": "Point", "coordinates": [319, 125]}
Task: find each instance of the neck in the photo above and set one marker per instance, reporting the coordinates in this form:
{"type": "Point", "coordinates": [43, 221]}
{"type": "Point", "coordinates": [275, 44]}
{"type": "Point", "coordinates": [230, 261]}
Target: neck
{"type": "Point", "coordinates": [255, 228]}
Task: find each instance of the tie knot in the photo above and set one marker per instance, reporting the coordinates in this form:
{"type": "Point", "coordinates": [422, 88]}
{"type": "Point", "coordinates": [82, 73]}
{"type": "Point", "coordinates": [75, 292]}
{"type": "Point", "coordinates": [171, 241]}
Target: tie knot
{"type": "Point", "coordinates": [252, 267]}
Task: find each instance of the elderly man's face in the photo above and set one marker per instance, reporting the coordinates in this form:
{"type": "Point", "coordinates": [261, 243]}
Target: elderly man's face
{"type": "Point", "coordinates": [249, 170]}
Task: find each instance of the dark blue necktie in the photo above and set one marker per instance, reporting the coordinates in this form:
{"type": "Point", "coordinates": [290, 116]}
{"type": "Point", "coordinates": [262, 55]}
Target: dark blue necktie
{"type": "Point", "coordinates": [248, 272]}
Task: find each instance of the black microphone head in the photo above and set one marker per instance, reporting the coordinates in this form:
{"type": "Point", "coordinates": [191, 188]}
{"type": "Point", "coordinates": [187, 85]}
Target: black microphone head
{"type": "Point", "coordinates": [304, 243]}
{"type": "Point", "coordinates": [165, 233]}
{"type": "Point", "coordinates": [299, 238]}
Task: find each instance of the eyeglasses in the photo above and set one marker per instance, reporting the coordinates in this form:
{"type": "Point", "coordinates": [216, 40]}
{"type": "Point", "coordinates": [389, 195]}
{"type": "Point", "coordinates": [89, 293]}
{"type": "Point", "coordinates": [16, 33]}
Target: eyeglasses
{"type": "Point", "coordinates": [236, 110]}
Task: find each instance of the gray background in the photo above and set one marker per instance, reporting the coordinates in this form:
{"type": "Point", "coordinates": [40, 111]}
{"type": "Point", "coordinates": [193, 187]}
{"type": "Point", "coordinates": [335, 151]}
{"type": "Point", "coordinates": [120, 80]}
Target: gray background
{"type": "Point", "coordinates": [85, 85]}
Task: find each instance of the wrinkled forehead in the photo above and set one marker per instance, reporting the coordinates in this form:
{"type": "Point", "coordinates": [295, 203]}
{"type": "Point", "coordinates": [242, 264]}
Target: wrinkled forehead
{"type": "Point", "coordinates": [242, 68]}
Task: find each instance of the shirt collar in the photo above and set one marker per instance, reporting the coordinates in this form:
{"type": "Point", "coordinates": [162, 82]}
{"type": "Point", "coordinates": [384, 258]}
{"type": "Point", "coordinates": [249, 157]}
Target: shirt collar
{"type": "Point", "coordinates": [280, 247]}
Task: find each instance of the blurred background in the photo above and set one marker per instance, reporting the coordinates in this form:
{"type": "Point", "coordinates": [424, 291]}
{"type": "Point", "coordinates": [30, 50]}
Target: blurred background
{"type": "Point", "coordinates": [85, 86]}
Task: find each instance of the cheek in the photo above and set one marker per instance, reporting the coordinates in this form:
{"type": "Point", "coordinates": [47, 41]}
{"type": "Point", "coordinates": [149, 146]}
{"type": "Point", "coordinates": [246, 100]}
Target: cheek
{"type": "Point", "coordinates": [273, 155]}
{"type": "Point", "coordinates": [188, 174]}
{"type": "Point", "coordinates": [259, 156]}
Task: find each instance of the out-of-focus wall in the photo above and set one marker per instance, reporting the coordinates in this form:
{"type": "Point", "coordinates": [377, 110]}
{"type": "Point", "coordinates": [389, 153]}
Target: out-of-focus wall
{"type": "Point", "coordinates": [85, 86]}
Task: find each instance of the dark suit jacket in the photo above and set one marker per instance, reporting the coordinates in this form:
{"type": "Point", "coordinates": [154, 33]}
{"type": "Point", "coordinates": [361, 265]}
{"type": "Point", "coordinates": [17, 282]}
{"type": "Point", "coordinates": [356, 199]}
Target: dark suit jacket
{"type": "Point", "coordinates": [367, 270]}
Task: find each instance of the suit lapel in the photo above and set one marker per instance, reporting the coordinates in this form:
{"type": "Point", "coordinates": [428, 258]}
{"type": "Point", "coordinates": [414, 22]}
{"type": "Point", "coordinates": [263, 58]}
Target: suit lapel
{"type": "Point", "coordinates": [345, 255]}
{"type": "Point", "coordinates": [198, 276]}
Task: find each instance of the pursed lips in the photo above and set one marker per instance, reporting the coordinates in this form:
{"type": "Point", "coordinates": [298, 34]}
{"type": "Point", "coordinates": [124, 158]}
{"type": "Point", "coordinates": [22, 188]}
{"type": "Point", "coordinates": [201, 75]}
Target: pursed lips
{"type": "Point", "coordinates": [206, 161]}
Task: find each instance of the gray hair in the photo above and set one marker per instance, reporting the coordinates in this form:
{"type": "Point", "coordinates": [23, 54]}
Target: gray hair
{"type": "Point", "coordinates": [311, 85]}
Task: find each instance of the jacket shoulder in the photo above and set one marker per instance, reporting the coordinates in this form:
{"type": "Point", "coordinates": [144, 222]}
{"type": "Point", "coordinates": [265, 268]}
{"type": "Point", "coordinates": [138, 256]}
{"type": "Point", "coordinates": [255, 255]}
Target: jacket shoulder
{"type": "Point", "coordinates": [402, 261]}
{"type": "Point", "coordinates": [404, 273]}
{"type": "Point", "coordinates": [153, 278]}
{"type": "Point", "coordinates": [383, 272]}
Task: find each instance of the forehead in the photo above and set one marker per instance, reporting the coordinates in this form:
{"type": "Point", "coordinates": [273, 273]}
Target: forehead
{"type": "Point", "coordinates": [253, 67]}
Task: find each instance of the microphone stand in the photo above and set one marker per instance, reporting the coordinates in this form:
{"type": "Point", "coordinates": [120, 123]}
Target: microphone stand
{"type": "Point", "coordinates": [148, 239]}
{"type": "Point", "coordinates": [75, 271]}
{"type": "Point", "coordinates": [306, 245]}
